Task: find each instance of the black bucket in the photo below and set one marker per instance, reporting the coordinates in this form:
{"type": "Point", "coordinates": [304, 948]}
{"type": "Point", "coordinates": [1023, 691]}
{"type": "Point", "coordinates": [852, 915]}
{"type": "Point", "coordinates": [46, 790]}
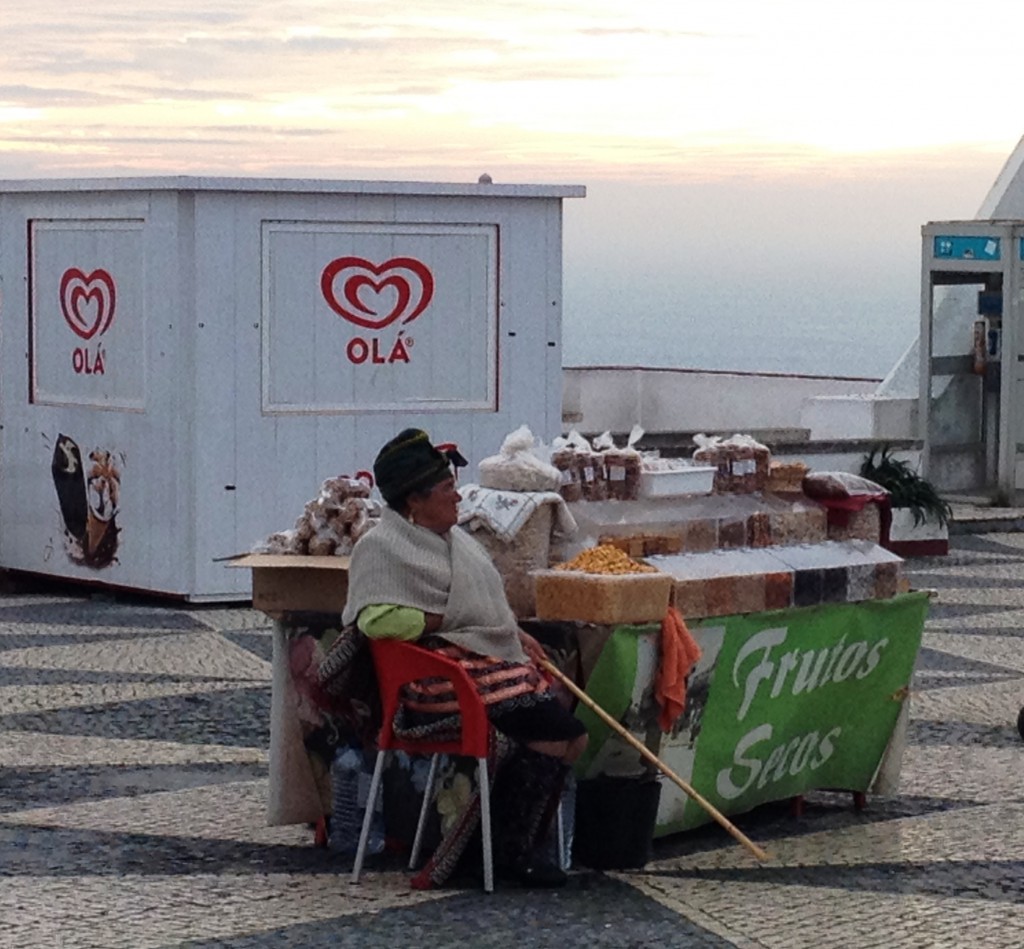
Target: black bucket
{"type": "Point", "coordinates": [615, 820]}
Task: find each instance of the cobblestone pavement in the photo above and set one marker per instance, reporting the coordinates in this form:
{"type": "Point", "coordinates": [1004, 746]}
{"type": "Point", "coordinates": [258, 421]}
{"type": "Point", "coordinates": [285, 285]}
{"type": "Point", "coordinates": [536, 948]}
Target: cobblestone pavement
{"type": "Point", "coordinates": [133, 743]}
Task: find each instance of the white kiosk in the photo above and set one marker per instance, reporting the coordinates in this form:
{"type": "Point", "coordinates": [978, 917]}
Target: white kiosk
{"type": "Point", "coordinates": [183, 361]}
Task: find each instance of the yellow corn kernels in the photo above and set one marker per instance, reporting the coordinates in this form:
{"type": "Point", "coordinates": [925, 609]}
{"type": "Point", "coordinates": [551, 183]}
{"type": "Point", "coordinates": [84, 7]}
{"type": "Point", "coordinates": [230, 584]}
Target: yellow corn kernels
{"type": "Point", "coordinates": [604, 559]}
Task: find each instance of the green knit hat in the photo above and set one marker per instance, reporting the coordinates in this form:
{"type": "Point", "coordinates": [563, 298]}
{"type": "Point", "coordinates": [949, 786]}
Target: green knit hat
{"type": "Point", "coordinates": [409, 463]}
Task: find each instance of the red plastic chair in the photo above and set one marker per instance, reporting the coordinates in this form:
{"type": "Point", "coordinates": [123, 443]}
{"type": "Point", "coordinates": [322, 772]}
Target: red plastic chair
{"type": "Point", "coordinates": [398, 663]}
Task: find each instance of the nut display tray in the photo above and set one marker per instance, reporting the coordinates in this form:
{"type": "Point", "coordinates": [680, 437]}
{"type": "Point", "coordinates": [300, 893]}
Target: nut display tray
{"type": "Point", "coordinates": [602, 598]}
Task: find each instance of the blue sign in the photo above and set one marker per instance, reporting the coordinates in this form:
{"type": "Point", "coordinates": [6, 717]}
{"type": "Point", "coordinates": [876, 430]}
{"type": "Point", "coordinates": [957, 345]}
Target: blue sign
{"type": "Point", "coordinates": [1022, 248]}
{"type": "Point", "coordinates": [968, 248]}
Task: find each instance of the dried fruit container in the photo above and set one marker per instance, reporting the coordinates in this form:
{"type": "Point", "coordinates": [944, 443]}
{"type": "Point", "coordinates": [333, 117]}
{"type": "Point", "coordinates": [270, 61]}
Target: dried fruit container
{"type": "Point", "coordinates": [677, 482]}
{"type": "Point", "coordinates": [604, 599]}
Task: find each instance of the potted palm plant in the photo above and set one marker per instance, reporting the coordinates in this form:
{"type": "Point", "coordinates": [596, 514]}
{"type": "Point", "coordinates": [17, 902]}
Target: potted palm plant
{"type": "Point", "coordinates": [920, 516]}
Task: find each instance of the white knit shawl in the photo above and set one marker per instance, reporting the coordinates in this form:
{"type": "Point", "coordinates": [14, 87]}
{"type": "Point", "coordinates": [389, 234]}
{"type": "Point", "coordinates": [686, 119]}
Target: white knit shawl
{"type": "Point", "coordinates": [451, 574]}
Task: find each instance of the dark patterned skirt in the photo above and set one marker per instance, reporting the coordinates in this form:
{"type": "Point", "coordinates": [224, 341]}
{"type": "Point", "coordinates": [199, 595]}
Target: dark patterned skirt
{"type": "Point", "coordinates": [525, 791]}
{"type": "Point", "coordinates": [518, 696]}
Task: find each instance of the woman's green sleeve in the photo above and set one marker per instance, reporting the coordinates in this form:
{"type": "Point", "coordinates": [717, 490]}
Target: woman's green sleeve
{"type": "Point", "coordinates": [387, 621]}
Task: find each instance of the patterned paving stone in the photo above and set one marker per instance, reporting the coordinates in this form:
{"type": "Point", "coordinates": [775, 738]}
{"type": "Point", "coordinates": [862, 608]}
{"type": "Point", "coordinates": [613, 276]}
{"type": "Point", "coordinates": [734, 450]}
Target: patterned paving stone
{"type": "Point", "coordinates": [993, 703]}
{"type": "Point", "coordinates": [25, 637]}
{"type": "Point", "coordinates": [86, 614]}
{"type": "Point", "coordinates": [936, 668]}
{"type": "Point", "coordinates": [23, 788]}
{"type": "Point", "coordinates": [966, 619]}
{"type": "Point", "coordinates": [961, 733]}
{"type": "Point", "coordinates": [133, 912]}
{"type": "Point", "coordinates": [604, 913]}
{"type": "Point", "coordinates": [810, 917]}
{"type": "Point", "coordinates": [959, 614]}
{"type": "Point", "coordinates": [32, 750]}
{"type": "Point", "coordinates": [994, 650]}
{"type": "Point", "coordinates": [258, 642]}
{"type": "Point", "coordinates": [994, 540]}
{"type": "Point", "coordinates": [198, 653]}
{"type": "Point", "coordinates": [230, 619]}
{"type": "Point", "coordinates": [980, 628]}
{"type": "Point", "coordinates": [983, 775]}
{"type": "Point", "coordinates": [999, 594]}
{"type": "Point", "coordinates": [97, 698]}
{"type": "Point", "coordinates": [983, 575]}
{"type": "Point", "coordinates": [214, 811]}
{"type": "Point", "coordinates": [238, 716]}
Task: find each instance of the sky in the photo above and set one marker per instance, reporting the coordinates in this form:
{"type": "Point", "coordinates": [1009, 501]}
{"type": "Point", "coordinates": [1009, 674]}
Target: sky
{"type": "Point", "coordinates": [757, 173]}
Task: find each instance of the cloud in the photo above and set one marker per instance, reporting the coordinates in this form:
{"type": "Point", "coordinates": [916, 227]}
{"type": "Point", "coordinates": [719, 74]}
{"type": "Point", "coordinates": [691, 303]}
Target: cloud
{"type": "Point", "coordinates": [660, 88]}
{"type": "Point", "coordinates": [619, 31]}
{"type": "Point", "coordinates": [38, 96]}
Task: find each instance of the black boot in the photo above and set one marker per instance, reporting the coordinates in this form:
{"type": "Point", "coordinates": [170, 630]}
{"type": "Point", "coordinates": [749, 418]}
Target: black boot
{"type": "Point", "coordinates": [523, 803]}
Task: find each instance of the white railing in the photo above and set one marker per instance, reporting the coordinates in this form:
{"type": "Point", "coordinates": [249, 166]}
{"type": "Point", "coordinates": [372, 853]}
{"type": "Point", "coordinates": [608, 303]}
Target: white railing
{"type": "Point", "coordinates": [614, 398]}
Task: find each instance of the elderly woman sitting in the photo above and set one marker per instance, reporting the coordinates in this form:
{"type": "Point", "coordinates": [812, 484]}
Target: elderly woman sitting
{"type": "Point", "coordinates": [415, 577]}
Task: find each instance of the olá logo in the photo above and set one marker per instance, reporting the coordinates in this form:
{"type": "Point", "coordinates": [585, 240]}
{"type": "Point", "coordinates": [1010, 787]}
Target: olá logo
{"type": "Point", "coordinates": [374, 296]}
{"type": "Point", "coordinates": [88, 303]}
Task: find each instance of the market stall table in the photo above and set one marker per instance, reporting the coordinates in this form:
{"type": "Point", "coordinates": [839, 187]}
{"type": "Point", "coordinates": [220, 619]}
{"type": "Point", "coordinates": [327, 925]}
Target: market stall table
{"type": "Point", "coordinates": [781, 702]}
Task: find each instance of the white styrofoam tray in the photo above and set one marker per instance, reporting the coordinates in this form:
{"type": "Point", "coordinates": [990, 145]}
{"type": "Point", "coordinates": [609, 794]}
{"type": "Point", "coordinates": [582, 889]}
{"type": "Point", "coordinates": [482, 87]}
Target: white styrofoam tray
{"type": "Point", "coordinates": [678, 482]}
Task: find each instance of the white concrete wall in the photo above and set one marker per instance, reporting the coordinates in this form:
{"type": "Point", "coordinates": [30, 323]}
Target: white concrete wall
{"type": "Point", "coordinates": [830, 417]}
{"type": "Point", "coordinates": [684, 400]}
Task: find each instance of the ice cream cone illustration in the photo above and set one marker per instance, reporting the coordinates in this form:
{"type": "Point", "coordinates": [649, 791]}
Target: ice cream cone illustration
{"type": "Point", "coordinates": [89, 497]}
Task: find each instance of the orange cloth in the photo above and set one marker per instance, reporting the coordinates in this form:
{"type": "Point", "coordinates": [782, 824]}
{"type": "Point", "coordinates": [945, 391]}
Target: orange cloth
{"type": "Point", "coordinates": [679, 653]}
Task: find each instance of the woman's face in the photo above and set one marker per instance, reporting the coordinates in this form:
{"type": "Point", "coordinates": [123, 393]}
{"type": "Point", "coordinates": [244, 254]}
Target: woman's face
{"type": "Point", "coordinates": [439, 510]}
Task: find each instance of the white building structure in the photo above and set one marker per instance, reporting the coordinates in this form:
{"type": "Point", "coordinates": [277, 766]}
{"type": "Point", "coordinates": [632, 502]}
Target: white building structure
{"type": "Point", "coordinates": [184, 360]}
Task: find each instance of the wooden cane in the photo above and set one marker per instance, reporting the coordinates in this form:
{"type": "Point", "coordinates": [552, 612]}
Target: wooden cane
{"type": "Point", "coordinates": [650, 756]}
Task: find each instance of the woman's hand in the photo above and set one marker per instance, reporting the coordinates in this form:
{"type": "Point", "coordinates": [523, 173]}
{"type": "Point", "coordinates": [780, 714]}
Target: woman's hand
{"type": "Point", "coordinates": [432, 622]}
{"type": "Point", "coordinates": [533, 649]}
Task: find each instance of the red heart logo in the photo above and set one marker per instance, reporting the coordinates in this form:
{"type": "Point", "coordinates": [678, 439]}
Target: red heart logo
{"type": "Point", "coordinates": [404, 284]}
{"type": "Point", "coordinates": [87, 302]}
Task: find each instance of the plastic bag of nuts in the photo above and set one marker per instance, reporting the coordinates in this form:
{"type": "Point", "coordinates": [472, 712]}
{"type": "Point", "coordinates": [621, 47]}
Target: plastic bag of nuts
{"type": "Point", "coordinates": [622, 468]}
{"type": "Point", "coordinates": [563, 458]}
{"type": "Point", "coordinates": [741, 460]}
{"type": "Point", "coordinates": [590, 474]}
{"type": "Point", "coordinates": [518, 466]}
{"type": "Point", "coordinates": [593, 483]}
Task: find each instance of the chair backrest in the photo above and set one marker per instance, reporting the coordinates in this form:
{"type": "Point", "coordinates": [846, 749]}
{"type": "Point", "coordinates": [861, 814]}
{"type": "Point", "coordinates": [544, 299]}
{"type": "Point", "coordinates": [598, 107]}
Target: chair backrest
{"type": "Point", "coordinates": [398, 663]}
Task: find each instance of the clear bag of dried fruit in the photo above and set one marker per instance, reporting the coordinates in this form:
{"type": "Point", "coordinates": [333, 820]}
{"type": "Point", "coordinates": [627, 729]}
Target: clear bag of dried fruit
{"type": "Point", "coordinates": [622, 465]}
{"type": "Point", "coordinates": [519, 465]}
{"type": "Point", "coordinates": [564, 457]}
{"type": "Point", "coordinates": [590, 463]}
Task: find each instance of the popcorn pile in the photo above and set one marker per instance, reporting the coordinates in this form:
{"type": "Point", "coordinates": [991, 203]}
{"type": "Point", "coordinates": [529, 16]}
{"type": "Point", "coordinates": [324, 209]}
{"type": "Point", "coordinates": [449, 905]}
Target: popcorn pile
{"type": "Point", "coordinates": [605, 559]}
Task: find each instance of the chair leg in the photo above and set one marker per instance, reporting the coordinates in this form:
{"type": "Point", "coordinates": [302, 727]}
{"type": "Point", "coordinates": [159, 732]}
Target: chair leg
{"type": "Point", "coordinates": [428, 796]}
{"type": "Point", "coordinates": [371, 805]}
{"type": "Point", "coordinates": [485, 823]}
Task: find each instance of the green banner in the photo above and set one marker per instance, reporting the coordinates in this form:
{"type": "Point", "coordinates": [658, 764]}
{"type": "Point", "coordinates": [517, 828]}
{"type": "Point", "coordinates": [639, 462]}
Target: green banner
{"type": "Point", "coordinates": [802, 699]}
{"type": "Point", "coordinates": [610, 685]}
